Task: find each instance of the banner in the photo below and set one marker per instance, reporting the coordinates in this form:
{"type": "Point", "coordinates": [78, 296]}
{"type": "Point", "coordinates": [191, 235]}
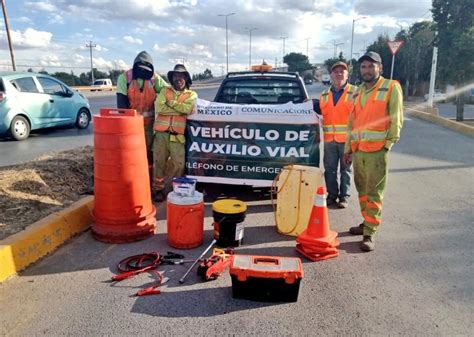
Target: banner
{"type": "Point", "coordinates": [242, 143]}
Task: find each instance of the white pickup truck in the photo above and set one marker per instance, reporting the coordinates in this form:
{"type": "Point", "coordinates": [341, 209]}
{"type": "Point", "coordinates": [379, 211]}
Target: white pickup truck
{"type": "Point", "coordinates": [260, 121]}
{"type": "Point", "coordinates": [102, 84]}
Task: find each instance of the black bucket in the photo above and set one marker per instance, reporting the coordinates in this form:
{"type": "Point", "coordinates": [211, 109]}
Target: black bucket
{"type": "Point", "coordinates": [229, 216]}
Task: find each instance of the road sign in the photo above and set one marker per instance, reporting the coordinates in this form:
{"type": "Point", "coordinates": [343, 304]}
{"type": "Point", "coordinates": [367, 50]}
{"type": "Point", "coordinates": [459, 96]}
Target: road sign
{"type": "Point", "coordinates": [394, 46]}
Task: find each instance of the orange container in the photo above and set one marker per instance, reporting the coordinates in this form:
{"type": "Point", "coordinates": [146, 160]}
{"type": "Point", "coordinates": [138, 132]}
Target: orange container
{"type": "Point", "coordinates": [185, 220]}
{"type": "Point", "coordinates": [123, 211]}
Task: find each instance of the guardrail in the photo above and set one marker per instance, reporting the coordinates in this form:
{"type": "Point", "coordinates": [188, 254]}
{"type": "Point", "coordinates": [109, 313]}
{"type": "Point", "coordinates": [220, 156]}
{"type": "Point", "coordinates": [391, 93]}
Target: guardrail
{"type": "Point", "coordinates": [113, 88]}
{"type": "Point", "coordinates": [91, 88]}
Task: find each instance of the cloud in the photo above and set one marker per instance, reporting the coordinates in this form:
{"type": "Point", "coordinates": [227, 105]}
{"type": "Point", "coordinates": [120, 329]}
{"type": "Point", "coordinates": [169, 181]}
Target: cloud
{"type": "Point", "coordinates": [101, 63]}
{"type": "Point", "coordinates": [50, 60]}
{"type": "Point", "coordinates": [121, 64]}
{"type": "Point", "coordinates": [46, 6]}
{"type": "Point", "coordinates": [174, 30]}
{"type": "Point", "coordinates": [23, 19]}
{"type": "Point", "coordinates": [132, 40]}
{"type": "Point", "coordinates": [400, 9]}
{"type": "Point", "coordinates": [28, 39]}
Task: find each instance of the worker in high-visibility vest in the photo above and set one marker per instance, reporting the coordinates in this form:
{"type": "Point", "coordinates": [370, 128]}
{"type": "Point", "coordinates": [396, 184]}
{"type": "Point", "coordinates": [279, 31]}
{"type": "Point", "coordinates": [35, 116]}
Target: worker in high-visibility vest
{"type": "Point", "coordinates": [374, 127]}
{"type": "Point", "coordinates": [137, 89]}
{"type": "Point", "coordinates": [172, 107]}
{"type": "Point", "coordinates": [336, 104]}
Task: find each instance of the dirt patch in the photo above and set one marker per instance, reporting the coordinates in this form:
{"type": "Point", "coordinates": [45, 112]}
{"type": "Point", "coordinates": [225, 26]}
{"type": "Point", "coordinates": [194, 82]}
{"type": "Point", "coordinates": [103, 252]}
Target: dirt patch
{"type": "Point", "coordinates": [31, 191]}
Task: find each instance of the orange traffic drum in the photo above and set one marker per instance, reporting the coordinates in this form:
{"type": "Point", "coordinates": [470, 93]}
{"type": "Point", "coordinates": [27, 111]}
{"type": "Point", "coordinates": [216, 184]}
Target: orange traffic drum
{"type": "Point", "coordinates": [123, 211]}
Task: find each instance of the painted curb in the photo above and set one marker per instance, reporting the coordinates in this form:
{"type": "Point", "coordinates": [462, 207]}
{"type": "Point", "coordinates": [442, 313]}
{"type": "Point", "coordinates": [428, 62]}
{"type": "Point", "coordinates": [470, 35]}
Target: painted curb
{"type": "Point", "coordinates": [416, 111]}
{"type": "Point", "coordinates": [43, 237]}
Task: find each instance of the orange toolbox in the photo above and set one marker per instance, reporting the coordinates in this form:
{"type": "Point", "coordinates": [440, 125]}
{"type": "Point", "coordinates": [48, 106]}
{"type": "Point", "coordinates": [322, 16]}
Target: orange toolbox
{"type": "Point", "coordinates": [266, 278]}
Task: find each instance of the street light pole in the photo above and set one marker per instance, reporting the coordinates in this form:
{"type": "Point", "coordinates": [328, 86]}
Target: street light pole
{"type": "Point", "coordinates": [335, 47]}
{"type": "Point", "coordinates": [226, 39]}
{"type": "Point", "coordinates": [307, 47]}
{"type": "Point", "coordinates": [250, 44]}
{"type": "Point", "coordinates": [7, 28]}
{"type": "Point", "coordinates": [90, 46]}
{"type": "Point", "coordinates": [283, 38]}
{"type": "Point", "coordinates": [352, 41]}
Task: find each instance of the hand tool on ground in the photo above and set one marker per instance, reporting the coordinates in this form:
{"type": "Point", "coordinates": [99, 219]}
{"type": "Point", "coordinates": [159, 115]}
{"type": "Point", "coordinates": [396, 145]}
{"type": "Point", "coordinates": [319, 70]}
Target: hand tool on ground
{"type": "Point", "coordinates": [174, 258]}
{"type": "Point", "coordinates": [210, 269]}
{"type": "Point", "coordinates": [181, 280]}
{"type": "Point", "coordinates": [147, 262]}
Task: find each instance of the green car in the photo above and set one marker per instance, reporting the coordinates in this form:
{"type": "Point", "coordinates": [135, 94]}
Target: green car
{"type": "Point", "coordinates": [30, 101]}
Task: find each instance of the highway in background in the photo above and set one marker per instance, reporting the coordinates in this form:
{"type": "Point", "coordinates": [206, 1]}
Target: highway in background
{"type": "Point", "coordinates": [45, 141]}
{"type": "Point", "coordinates": [59, 139]}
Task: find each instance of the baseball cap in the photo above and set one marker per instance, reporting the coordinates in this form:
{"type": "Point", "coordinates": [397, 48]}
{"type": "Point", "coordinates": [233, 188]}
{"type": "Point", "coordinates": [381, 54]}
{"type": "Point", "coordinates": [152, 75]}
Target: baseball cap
{"type": "Point", "coordinates": [371, 56]}
{"type": "Point", "coordinates": [339, 64]}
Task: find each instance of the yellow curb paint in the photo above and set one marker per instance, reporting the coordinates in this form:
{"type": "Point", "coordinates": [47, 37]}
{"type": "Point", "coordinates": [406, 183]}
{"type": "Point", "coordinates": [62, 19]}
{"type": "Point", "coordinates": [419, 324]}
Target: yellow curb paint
{"type": "Point", "coordinates": [44, 236]}
{"type": "Point", "coordinates": [447, 123]}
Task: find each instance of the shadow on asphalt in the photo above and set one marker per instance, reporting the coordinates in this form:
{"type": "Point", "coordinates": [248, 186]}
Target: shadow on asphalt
{"type": "Point", "coordinates": [197, 303]}
{"type": "Point", "coordinates": [213, 192]}
{"type": "Point", "coordinates": [53, 132]}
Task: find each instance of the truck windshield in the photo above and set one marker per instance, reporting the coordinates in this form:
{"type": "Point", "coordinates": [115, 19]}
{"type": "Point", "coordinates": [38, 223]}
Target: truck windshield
{"type": "Point", "coordinates": [261, 91]}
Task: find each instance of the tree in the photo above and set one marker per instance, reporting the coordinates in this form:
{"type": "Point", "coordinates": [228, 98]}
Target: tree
{"type": "Point", "coordinates": [297, 62]}
{"type": "Point", "coordinates": [454, 23]}
{"type": "Point", "coordinates": [207, 74]}
{"type": "Point", "coordinates": [114, 74]}
{"type": "Point", "coordinates": [329, 62]}
{"type": "Point", "coordinates": [380, 46]}
{"type": "Point", "coordinates": [413, 60]}
{"type": "Point", "coordinates": [65, 77]}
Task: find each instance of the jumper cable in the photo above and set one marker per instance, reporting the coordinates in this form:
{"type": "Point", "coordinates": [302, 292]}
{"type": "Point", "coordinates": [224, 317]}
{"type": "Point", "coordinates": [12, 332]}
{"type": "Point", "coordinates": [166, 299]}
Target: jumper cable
{"type": "Point", "coordinates": [147, 262]}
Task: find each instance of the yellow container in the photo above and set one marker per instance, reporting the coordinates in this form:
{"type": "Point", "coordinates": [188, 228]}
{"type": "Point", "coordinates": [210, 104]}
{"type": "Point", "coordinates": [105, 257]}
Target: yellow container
{"type": "Point", "coordinates": [296, 186]}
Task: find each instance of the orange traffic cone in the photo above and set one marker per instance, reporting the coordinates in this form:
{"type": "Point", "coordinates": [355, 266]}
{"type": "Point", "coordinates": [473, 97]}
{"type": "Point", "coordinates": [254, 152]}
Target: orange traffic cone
{"type": "Point", "coordinates": [318, 242]}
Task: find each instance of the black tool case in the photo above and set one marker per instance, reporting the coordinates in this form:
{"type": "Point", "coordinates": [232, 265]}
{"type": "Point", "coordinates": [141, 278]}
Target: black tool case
{"type": "Point", "coordinates": [266, 278]}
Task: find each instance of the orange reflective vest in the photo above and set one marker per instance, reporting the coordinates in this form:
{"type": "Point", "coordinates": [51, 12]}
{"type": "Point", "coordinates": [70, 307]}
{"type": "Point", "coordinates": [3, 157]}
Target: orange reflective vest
{"type": "Point", "coordinates": [335, 117]}
{"type": "Point", "coordinates": [142, 99]}
{"type": "Point", "coordinates": [168, 123]}
{"type": "Point", "coordinates": [370, 123]}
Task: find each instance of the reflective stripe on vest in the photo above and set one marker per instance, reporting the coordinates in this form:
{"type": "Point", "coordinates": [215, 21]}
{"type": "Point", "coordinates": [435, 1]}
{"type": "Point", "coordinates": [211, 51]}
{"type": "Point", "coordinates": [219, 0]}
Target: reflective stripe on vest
{"type": "Point", "coordinates": [370, 123]}
{"type": "Point", "coordinates": [143, 99]}
{"type": "Point", "coordinates": [172, 124]}
{"type": "Point", "coordinates": [335, 118]}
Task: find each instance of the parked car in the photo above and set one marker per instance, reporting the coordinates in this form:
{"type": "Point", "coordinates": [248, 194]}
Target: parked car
{"type": "Point", "coordinates": [470, 96]}
{"type": "Point", "coordinates": [308, 81]}
{"type": "Point", "coordinates": [102, 84]}
{"type": "Point", "coordinates": [30, 101]}
{"type": "Point", "coordinates": [438, 97]}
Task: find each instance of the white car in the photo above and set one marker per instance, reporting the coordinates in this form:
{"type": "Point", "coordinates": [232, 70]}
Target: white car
{"type": "Point", "coordinates": [438, 97]}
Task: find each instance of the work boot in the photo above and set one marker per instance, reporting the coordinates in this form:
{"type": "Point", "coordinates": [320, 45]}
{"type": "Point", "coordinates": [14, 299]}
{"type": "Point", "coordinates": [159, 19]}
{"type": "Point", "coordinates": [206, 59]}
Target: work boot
{"type": "Point", "coordinates": [357, 230]}
{"type": "Point", "coordinates": [330, 201]}
{"type": "Point", "coordinates": [367, 244]}
{"type": "Point", "coordinates": [343, 203]}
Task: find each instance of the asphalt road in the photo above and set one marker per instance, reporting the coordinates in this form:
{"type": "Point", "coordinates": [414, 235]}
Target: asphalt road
{"type": "Point", "coordinates": [418, 281]}
{"type": "Point", "coordinates": [60, 139]}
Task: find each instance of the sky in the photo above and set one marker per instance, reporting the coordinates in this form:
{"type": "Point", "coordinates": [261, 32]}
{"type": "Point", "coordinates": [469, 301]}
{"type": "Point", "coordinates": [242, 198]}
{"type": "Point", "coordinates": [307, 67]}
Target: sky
{"type": "Point", "coordinates": [54, 35]}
